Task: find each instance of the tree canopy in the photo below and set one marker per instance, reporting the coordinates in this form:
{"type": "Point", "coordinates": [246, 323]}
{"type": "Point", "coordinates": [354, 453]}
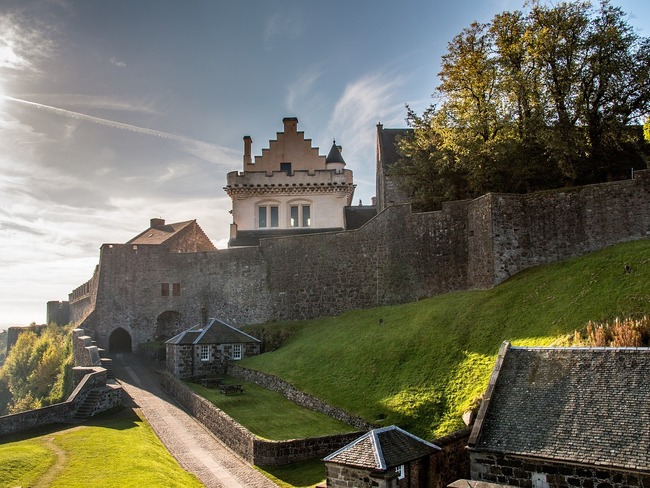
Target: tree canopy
{"type": "Point", "coordinates": [37, 371]}
{"type": "Point", "coordinates": [532, 100]}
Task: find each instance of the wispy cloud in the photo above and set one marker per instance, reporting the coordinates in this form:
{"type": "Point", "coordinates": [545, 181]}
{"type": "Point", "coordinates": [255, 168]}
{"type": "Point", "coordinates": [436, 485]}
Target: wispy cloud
{"type": "Point", "coordinates": [302, 89]}
{"type": "Point", "coordinates": [204, 150]}
{"type": "Point", "coordinates": [23, 42]}
{"type": "Point", "coordinates": [119, 64]}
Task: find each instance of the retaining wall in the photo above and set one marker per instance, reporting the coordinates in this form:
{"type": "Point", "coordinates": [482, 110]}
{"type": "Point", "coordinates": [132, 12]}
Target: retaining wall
{"type": "Point", "coordinates": [251, 448]}
{"type": "Point", "coordinates": [271, 382]}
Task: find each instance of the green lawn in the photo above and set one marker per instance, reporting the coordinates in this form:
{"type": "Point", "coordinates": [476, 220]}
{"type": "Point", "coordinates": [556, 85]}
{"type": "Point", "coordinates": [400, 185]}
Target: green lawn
{"type": "Point", "coordinates": [271, 416]}
{"type": "Point", "coordinates": [426, 362]}
{"type": "Point", "coordinates": [114, 450]}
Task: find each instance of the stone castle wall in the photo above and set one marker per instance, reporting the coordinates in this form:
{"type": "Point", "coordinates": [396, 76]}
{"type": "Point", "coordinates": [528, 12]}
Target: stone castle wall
{"type": "Point", "coordinates": [397, 257]}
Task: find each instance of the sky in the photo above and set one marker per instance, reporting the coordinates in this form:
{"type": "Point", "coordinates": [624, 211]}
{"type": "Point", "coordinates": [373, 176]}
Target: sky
{"type": "Point", "coordinates": [114, 112]}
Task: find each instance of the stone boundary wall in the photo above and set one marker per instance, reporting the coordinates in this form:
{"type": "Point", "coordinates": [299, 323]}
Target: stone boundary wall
{"type": "Point", "coordinates": [452, 463]}
{"type": "Point", "coordinates": [251, 448]}
{"type": "Point", "coordinates": [62, 412]}
{"type": "Point", "coordinates": [88, 376]}
{"type": "Point", "coordinates": [518, 471]}
{"type": "Point", "coordinates": [271, 382]}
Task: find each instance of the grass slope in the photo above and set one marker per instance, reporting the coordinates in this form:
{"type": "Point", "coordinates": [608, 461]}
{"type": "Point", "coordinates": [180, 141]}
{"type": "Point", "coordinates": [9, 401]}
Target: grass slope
{"type": "Point", "coordinates": [277, 419]}
{"type": "Point", "coordinates": [113, 450]}
{"type": "Point", "coordinates": [427, 362]}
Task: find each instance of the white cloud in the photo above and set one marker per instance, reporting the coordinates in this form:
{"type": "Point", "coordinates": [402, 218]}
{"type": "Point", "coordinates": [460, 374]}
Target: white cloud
{"type": "Point", "coordinates": [119, 64]}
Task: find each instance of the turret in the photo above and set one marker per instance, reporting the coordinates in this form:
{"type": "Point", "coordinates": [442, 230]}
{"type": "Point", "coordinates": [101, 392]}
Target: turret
{"type": "Point", "coordinates": [334, 159]}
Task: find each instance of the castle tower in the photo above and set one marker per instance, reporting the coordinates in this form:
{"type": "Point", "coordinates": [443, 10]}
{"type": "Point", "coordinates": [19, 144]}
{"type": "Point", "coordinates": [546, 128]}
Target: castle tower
{"type": "Point", "coordinates": [289, 189]}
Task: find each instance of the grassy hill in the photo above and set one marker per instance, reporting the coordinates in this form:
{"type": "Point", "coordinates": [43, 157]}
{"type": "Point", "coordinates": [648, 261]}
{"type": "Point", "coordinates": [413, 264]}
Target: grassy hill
{"type": "Point", "coordinates": [421, 365]}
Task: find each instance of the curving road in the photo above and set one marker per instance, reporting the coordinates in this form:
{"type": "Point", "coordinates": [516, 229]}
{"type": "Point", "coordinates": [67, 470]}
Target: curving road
{"type": "Point", "coordinates": [194, 447]}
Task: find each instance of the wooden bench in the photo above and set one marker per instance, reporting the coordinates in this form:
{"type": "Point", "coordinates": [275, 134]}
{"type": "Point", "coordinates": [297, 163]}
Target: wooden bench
{"type": "Point", "coordinates": [231, 389]}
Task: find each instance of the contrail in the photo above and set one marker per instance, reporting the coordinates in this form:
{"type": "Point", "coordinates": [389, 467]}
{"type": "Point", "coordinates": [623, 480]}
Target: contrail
{"type": "Point", "coordinates": [194, 146]}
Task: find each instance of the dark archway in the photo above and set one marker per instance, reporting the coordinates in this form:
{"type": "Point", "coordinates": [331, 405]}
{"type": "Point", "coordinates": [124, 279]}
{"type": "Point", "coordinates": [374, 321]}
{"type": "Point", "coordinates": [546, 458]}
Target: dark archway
{"type": "Point", "coordinates": [168, 324]}
{"type": "Point", "coordinates": [119, 341]}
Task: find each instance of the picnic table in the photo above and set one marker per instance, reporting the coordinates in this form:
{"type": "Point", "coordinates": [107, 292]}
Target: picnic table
{"type": "Point", "coordinates": [231, 389]}
{"type": "Point", "coordinates": [211, 381]}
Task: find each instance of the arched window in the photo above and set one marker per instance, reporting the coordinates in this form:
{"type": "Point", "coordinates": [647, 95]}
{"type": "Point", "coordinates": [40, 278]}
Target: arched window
{"type": "Point", "coordinates": [268, 215]}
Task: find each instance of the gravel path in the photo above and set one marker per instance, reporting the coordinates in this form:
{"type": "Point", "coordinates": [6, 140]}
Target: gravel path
{"type": "Point", "coordinates": [193, 446]}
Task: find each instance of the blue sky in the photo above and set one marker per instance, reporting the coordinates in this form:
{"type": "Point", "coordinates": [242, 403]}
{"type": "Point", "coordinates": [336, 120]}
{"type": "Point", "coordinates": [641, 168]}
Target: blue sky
{"type": "Point", "coordinates": [113, 112]}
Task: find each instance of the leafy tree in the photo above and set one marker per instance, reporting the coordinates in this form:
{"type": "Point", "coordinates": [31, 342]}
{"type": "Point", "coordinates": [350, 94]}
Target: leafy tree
{"type": "Point", "coordinates": [531, 101]}
{"type": "Point", "coordinates": [37, 370]}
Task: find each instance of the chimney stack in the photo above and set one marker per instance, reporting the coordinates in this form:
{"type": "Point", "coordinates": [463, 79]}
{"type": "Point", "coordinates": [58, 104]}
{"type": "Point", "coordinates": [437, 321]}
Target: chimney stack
{"type": "Point", "coordinates": [290, 125]}
{"type": "Point", "coordinates": [248, 160]}
{"type": "Point", "coordinates": [157, 223]}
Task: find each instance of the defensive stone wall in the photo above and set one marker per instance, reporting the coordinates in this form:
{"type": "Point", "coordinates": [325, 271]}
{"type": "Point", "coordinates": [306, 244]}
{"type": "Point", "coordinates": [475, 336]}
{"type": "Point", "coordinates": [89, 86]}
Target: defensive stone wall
{"type": "Point", "coordinates": [399, 256]}
{"type": "Point", "coordinates": [251, 448]}
{"type": "Point", "coordinates": [311, 402]}
{"type": "Point", "coordinates": [452, 462]}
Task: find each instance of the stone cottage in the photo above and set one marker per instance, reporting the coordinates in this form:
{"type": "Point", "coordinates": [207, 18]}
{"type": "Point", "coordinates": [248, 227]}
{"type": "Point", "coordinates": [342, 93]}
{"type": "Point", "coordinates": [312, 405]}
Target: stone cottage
{"type": "Point", "coordinates": [385, 458]}
{"type": "Point", "coordinates": [565, 417]}
{"type": "Point", "coordinates": [205, 349]}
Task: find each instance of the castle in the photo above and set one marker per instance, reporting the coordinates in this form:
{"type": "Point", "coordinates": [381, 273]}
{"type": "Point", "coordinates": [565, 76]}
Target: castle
{"type": "Point", "coordinates": [298, 250]}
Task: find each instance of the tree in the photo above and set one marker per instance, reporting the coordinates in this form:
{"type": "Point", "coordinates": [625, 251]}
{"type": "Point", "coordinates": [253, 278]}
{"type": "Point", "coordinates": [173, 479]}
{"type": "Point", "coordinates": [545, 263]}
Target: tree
{"type": "Point", "coordinates": [531, 101]}
{"type": "Point", "coordinates": [37, 370]}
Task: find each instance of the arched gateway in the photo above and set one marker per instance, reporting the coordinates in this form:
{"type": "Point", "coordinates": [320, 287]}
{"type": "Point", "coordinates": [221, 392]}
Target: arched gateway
{"type": "Point", "coordinates": [119, 341]}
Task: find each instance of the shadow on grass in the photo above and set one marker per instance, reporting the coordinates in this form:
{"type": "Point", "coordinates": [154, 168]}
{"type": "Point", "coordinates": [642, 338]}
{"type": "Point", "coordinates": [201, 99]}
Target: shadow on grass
{"type": "Point", "coordinates": [298, 475]}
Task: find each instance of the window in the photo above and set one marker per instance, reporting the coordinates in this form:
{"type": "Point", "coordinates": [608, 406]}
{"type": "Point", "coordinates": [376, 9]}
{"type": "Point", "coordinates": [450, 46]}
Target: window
{"type": "Point", "coordinates": [164, 291]}
{"type": "Point", "coordinates": [237, 351]}
{"type": "Point", "coordinates": [300, 215]}
{"type": "Point", "coordinates": [176, 289]}
{"type": "Point", "coordinates": [286, 167]}
{"type": "Point", "coordinates": [400, 472]}
{"type": "Point", "coordinates": [204, 353]}
{"type": "Point", "coordinates": [267, 216]}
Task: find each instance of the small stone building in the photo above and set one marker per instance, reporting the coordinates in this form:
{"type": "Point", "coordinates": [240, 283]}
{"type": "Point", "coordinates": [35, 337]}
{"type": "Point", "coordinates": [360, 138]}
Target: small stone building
{"type": "Point", "coordinates": [565, 417]}
{"type": "Point", "coordinates": [206, 349]}
{"type": "Point", "coordinates": [385, 458]}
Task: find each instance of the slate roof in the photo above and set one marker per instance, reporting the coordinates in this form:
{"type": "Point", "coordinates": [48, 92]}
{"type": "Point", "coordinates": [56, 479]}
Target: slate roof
{"type": "Point", "coordinates": [252, 237]}
{"type": "Point", "coordinates": [382, 449]}
{"type": "Point", "coordinates": [215, 332]}
{"type": "Point", "coordinates": [160, 234]}
{"type": "Point", "coordinates": [387, 140]}
{"type": "Point", "coordinates": [335, 155]}
{"type": "Point", "coordinates": [356, 217]}
{"type": "Point", "coordinates": [580, 405]}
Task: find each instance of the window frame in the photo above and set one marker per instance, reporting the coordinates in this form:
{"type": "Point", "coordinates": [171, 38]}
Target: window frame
{"type": "Point", "coordinates": [300, 215]}
{"type": "Point", "coordinates": [205, 353]}
{"type": "Point", "coordinates": [269, 214]}
{"type": "Point", "coordinates": [237, 351]}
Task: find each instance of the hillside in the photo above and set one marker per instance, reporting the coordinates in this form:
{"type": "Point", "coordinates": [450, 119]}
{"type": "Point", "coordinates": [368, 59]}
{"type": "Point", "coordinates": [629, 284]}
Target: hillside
{"type": "Point", "coordinates": [420, 365]}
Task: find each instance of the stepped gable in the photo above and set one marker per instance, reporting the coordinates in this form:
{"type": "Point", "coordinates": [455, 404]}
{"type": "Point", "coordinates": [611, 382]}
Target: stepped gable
{"type": "Point", "coordinates": [382, 449]}
{"type": "Point", "coordinates": [586, 406]}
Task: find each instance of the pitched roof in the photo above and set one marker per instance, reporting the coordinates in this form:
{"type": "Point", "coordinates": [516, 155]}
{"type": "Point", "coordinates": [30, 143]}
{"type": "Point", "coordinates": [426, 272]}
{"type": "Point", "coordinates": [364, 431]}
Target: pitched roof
{"type": "Point", "coordinates": [582, 405]}
{"type": "Point", "coordinates": [215, 332]}
{"type": "Point", "coordinates": [160, 234]}
{"type": "Point", "coordinates": [335, 155]}
{"type": "Point", "coordinates": [382, 449]}
{"type": "Point", "coordinates": [356, 217]}
{"type": "Point", "coordinates": [388, 145]}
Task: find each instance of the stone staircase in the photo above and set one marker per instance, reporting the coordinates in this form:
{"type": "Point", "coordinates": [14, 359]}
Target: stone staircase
{"type": "Point", "coordinates": [85, 410]}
